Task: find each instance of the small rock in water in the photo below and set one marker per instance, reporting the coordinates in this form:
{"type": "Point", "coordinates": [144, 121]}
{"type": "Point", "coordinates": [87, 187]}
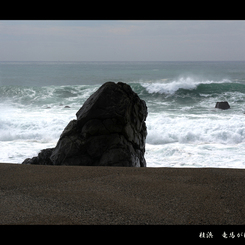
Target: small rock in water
{"type": "Point", "coordinates": [222, 105]}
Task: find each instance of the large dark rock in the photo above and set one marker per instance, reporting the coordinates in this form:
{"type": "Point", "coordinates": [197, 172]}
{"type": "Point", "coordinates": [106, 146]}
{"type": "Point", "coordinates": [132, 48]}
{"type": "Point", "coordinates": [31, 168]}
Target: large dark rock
{"type": "Point", "coordinates": [110, 130]}
{"type": "Point", "coordinates": [222, 105]}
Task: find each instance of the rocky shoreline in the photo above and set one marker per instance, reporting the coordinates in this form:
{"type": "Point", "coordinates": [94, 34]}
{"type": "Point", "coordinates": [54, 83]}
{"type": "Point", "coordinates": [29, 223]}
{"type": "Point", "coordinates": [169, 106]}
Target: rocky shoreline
{"type": "Point", "coordinates": [38, 194]}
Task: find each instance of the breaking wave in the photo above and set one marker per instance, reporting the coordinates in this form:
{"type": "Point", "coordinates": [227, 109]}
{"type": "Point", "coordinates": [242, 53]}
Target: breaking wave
{"type": "Point", "coordinates": [184, 84]}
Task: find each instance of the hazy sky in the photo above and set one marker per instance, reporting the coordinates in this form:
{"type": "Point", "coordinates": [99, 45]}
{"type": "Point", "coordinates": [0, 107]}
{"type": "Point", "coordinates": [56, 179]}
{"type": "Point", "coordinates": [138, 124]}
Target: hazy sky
{"type": "Point", "coordinates": [122, 40]}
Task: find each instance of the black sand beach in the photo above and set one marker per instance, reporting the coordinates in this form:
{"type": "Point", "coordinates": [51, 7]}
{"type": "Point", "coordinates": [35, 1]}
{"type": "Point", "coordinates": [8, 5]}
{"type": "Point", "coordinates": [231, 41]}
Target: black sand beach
{"type": "Point", "coordinates": [33, 194]}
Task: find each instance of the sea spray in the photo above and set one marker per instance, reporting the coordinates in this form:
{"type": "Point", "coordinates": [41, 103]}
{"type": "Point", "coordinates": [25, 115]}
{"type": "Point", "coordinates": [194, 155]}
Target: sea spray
{"type": "Point", "coordinates": [187, 83]}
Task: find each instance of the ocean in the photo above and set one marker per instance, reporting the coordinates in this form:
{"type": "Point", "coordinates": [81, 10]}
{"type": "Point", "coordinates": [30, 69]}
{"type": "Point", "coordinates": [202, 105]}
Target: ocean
{"type": "Point", "coordinates": [38, 99]}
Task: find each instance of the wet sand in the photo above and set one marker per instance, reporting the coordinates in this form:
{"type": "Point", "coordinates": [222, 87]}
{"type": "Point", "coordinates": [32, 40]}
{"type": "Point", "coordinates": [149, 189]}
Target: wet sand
{"type": "Point", "coordinates": [33, 194]}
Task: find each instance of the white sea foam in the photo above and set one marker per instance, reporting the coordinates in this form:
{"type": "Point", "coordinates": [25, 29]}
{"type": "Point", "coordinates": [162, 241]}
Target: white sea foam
{"type": "Point", "coordinates": [163, 129]}
{"type": "Point", "coordinates": [36, 125]}
{"type": "Point", "coordinates": [24, 132]}
{"type": "Point", "coordinates": [183, 141]}
{"type": "Point", "coordinates": [195, 155]}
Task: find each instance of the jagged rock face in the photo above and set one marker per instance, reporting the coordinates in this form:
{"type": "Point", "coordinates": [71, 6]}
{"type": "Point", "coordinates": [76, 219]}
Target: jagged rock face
{"type": "Point", "coordinates": [110, 130]}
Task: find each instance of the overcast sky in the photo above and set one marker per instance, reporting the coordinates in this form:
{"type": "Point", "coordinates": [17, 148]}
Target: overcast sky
{"type": "Point", "coordinates": [122, 40]}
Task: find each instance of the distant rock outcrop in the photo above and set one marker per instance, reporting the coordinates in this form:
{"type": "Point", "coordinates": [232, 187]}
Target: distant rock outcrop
{"type": "Point", "coordinates": [222, 105]}
{"type": "Point", "coordinates": [110, 130]}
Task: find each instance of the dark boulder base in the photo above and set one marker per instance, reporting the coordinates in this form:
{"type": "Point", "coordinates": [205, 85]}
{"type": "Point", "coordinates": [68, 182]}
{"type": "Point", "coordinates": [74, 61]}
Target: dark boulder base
{"type": "Point", "coordinates": [110, 130]}
{"type": "Point", "coordinates": [222, 105]}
